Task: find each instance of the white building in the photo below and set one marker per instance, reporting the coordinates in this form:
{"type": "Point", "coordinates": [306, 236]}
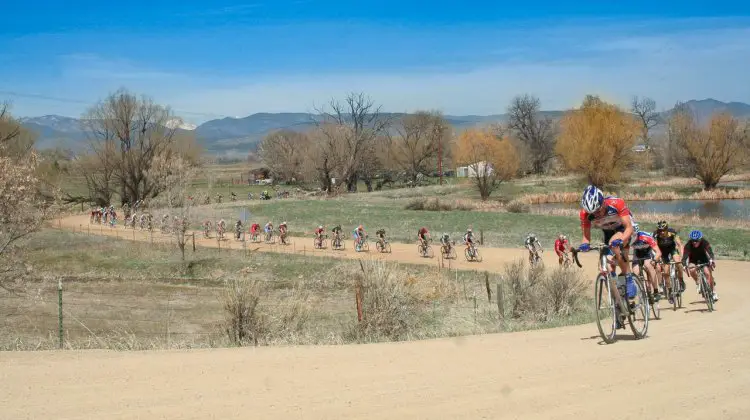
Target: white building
{"type": "Point", "coordinates": [471, 171]}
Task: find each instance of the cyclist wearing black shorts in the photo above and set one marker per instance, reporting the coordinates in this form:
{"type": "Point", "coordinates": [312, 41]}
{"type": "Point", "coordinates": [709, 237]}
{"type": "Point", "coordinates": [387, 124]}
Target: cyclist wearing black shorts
{"type": "Point", "coordinates": [698, 251]}
{"type": "Point", "coordinates": [670, 246]}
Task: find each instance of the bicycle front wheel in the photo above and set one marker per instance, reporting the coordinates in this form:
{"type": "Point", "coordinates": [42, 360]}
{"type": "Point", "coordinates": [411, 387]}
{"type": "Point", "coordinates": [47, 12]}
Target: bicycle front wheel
{"type": "Point", "coordinates": [708, 294]}
{"type": "Point", "coordinates": [477, 255]}
{"type": "Point", "coordinates": [604, 309]}
{"type": "Point", "coordinates": [639, 310]}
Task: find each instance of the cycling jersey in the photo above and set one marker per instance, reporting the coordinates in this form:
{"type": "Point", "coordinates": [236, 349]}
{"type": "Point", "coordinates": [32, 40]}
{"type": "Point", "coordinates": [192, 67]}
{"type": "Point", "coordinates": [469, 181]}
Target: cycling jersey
{"type": "Point", "coordinates": [318, 231]}
{"type": "Point", "coordinates": [530, 241]}
{"type": "Point", "coordinates": [469, 238]}
{"type": "Point", "coordinates": [560, 246]}
{"type": "Point", "coordinates": [422, 232]}
{"type": "Point", "coordinates": [667, 241]}
{"type": "Point", "coordinates": [700, 254]}
{"type": "Point", "coordinates": [268, 228]}
{"type": "Point", "coordinates": [445, 239]}
{"type": "Point", "coordinates": [643, 245]}
{"type": "Point", "coordinates": [614, 210]}
{"type": "Point", "coordinates": [254, 228]}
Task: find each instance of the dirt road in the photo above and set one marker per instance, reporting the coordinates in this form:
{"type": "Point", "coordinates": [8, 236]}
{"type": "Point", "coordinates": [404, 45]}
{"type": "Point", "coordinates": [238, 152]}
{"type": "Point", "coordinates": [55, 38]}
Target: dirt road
{"type": "Point", "coordinates": [693, 365]}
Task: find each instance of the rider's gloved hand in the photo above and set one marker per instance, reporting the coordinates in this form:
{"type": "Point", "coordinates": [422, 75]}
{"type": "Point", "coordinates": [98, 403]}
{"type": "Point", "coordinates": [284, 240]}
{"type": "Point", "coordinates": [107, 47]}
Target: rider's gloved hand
{"type": "Point", "coordinates": [584, 248]}
{"type": "Point", "coordinates": [713, 264]}
{"type": "Point", "coordinates": [616, 243]}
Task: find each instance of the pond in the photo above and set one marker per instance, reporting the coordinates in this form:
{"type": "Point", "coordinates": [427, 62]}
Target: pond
{"type": "Point", "coordinates": [726, 209]}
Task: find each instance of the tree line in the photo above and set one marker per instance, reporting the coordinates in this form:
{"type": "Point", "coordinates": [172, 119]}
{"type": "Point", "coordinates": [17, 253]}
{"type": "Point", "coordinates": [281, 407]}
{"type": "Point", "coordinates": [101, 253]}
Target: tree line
{"type": "Point", "coordinates": [354, 141]}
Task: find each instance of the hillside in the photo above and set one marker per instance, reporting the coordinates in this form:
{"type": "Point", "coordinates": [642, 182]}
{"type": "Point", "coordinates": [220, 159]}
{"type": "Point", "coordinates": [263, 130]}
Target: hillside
{"type": "Point", "coordinates": [237, 136]}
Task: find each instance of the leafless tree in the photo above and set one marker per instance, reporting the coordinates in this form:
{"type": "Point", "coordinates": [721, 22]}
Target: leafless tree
{"type": "Point", "coordinates": [284, 152]}
{"type": "Point", "coordinates": [174, 175]}
{"type": "Point", "coordinates": [359, 124]}
{"type": "Point", "coordinates": [141, 130]}
{"type": "Point", "coordinates": [419, 138]}
{"type": "Point", "coordinates": [535, 131]}
{"type": "Point", "coordinates": [645, 111]}
{"type": "Point", "coordinates": [22, 206]}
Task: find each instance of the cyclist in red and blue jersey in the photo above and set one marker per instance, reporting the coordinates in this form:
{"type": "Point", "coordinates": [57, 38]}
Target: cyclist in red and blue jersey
{"type": "Point", "coordinates": [645, 248]}
{"type": "Point", "coordinates": [612, 216]}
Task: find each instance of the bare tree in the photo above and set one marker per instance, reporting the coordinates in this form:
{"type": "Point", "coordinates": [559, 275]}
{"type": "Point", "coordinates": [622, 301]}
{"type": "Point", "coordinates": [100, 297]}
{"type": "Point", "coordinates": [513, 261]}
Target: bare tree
{"type": "Point", "coordinates": [22, 207]}
{"type": "Point", "coordinates": [284, 152]}
{"type": "Point", "coordinates": [490, 160]}
{"type": "Point", "coordinates": [141, 131]}
{"type": "Point", "coordinates": [174, 175]}
{"type": "Point", "coordinates": [645, 112]}
{"type": "Point", "coordinates": [531, 128]}
{"type": "Point", "coordinates": [710, 152]}
{"type": "Point", "coordinates": [360, 122]}
{"type": "Point", "coordinates": [419, 138]}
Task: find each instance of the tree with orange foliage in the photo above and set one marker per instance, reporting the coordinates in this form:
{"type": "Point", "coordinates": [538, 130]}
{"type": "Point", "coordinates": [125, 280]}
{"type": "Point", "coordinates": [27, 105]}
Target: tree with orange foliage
{"type": "Point", "coordinates": [491, 160]}
{"type": "Point", "coordinates": [597, 140]}
{"type": "Point", "coordinates": [710, 152]}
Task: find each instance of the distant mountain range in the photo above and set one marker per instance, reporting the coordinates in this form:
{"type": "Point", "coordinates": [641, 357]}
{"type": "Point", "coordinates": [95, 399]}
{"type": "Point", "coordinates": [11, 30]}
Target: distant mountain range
{"type": "Point", "coordinates": [237, 136]}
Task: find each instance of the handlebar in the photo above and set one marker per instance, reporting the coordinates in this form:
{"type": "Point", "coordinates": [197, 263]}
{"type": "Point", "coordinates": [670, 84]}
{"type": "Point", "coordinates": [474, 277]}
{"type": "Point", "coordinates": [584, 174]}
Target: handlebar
{"type": "Point", "coordinates": [595, 247]}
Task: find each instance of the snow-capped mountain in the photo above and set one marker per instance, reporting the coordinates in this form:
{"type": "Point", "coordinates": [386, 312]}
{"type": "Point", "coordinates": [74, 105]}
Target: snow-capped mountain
{"type": "Point", "coordinates": [179, 123]}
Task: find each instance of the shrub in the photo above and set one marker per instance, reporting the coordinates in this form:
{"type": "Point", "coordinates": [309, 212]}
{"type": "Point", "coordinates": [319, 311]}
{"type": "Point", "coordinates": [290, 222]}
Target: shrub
{"type": "Point", "coordinates": [539, 294]}
{"type": "Point", "coordinates": [517, 207]}
{"type": "Point", "coordinates": [434, 204]}
{"type": "Point", "coordinates": [388, 303]}
{"type": "Point", "coordinates": [243, 323]}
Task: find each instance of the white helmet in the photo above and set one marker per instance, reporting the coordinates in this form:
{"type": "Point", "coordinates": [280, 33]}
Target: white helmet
{"type": "Point", "coordinates": [592, 199]}
{"type": "Point", "coordinates": [320, 226]}
{"type": "Point", "coordinates": [636, 227]}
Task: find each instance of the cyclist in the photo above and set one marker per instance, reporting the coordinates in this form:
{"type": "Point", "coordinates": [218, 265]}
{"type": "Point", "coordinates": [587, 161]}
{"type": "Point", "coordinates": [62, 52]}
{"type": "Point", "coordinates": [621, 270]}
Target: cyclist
{"type": "Point", "coordinates": [282, 232]}
{"type": "Point", "coordinates": [698, 251]}
{"type": "Point", "coordinates": [423, 235]}
{"type": "Point", "coordinates": [268, 229]}
{"type": "Point", "coordinates": [646, 249]}
{"type": "Point", "coordinates": [359, 236]}
{"type": "Point", "coordinates": [254, 228]}
{"type": "Point", "coordinates": [238, 229]}
{"type": "Point", "coordinates": [532, 243]}
{"type": "Point", "coordinates": [336, 235]}
{"type": "Point", "coordinates": [469, 239]}
{"type": "Point", "coordinates": [221, 227]}
{"type": "Point", "coordinates": [670, 246]}
{"type": "Point", "coordinates": [319, 236]}
{"type": "Point", "coordinates": [381, 236]}
{"type": "Point", "coordinates": [561, 247]}
{"type": "Point", "coordinates": [445, 242]}
{"type": "Point", "coordinates": [612, 216]}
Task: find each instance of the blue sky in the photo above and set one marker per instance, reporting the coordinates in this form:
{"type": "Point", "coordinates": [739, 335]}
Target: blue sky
{"type": "Point", "coordinates": [211, 60]}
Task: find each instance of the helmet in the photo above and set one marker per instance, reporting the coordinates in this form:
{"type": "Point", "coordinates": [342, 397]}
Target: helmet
{"type": "Point", "coordinates": [360, 227]}
{"type": "Point", "coordinates": [468, 230]}
{"type": "Point", "coordinates": [320, 226]}
{"type": "Point", "coordinates": [283, 223]}
{"type": "Point", "coordinates": [564, 237]}
{"type": "Point", "coordinates": [662, 225]}
{"type": "Point", "coordinates": [636, 227]}
{"type": "Point", "coordinates": [696, 235]}
{"type": "Point", "coordinates": [592, 199]}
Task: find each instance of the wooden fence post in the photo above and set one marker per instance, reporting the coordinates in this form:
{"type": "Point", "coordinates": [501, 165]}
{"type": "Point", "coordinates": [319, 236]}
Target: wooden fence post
{"type": "Point", "coordinates": [487, 285]}
{"type": "Point", "coordinates": [499, 298]}
{"type": "Point", "coordinates": [193, 241]}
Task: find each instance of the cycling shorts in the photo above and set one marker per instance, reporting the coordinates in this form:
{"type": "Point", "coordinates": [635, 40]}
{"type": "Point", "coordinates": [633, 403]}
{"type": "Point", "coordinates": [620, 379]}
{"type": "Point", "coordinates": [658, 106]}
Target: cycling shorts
{"type": "Point", "coordinates": [667, 257]}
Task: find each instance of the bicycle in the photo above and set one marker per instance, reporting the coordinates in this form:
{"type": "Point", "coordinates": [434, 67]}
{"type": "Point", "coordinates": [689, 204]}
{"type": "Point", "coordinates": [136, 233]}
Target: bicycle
{"type": "Point", "coordinates": [705, 288]}
{"type": "Point", "coordinates": [270, 238]}
{"type": "Point", "coordinates": [536, 258]}
{"type": "Point", "coordinates": [448, 251]}
{"type": "Point", "coordinates": [255, 237]}
{"type": "Point", "coordinates": [320, 243]}
{"type": "Point", "coordinates": [383, 246]}
{"type": "Point", "coordinates": [424, 249]}
{"type": "Point", "coordinates": [337, 243]}
{"type": "Point", "coordinates": [654, 304]}
{"type": "Point", "coordinates": [471, 253]}
{"type": "Point", "coordinates": [566, 260]}
{"type": "Point", "coordinates": [207, 227]}
{"type": "Point", "coordinates": [612, 292]}
{"type": "Point", "coordinates": [676, 286]}
{"type": "Point", "coordinates": [361, 244]}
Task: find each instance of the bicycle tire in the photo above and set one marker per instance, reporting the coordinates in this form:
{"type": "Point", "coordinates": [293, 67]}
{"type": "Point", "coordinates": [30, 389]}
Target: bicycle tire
{"type": "Point", "coordinates": [707, 292]}
{"type": "Point", "coordinates": [429, 253]}
{"type": "Point", "coordinates": [642, 308]}
{"type": "Point", "coordinates": [467, 254]}
{"type": "Point", "coordinates": [675, 286]}
{"type": "Point", "coordinates": [602, 290]}
{"type": "Point", "coordinates": [477, 255]}
{"type": "Point", "coordinates": [452, 253]}
{"type": "Point", "coordinates": [379, 247]}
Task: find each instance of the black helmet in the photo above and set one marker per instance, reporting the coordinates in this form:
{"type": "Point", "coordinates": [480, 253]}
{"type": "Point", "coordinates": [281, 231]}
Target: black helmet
{"type": "Point", "coordinates": [662, 225]}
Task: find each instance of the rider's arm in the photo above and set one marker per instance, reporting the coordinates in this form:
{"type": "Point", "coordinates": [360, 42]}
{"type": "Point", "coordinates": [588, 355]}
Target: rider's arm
{"type": "Point", "coordinates": [709, 250]}
{"type": "Point", "coordinates": [585, 227]}
{"type": "Point", "coordinates": [679, 246]}
{"type": "Point", "coordinates": [685, 254]}
{"type": "Point", "coordinates": [628, 232]}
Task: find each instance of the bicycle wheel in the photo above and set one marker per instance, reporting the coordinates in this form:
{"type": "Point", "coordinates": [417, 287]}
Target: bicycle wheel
{"type": "Point", "coordinates": [708, 294]}
{"type": "Point", "coordinates": [452, 253]}
{"type": "Point", "coordinates": [655, 308]}
{"type": "Point", "coordinates": [379, 247]}
{"type": "Point", "coordinates": [676, 294]}
{"type": "Point", "coordinates": [428, 252]}
{"type": "Point", "coordinates": [467, 254]}
{"type": "Point", "coordinates": [387, 248]}
{"type": "Point", "coordinates": [604, 309]}
{"type": "Point", "coordinates": [365, 245]}
{"type": "Point", "coordinates": [477, 255]}
{"type": "Point", "coordinates": [639, 311]}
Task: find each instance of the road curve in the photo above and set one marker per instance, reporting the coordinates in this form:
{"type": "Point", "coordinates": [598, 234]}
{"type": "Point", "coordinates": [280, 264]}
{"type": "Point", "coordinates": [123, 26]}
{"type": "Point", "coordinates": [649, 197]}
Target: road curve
{"type": "Point", "coordinates": [693, 365]}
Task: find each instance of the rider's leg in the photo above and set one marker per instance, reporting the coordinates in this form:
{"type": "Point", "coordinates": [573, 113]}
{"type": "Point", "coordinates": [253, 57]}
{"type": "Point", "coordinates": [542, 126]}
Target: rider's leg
{"type": "Point", "coordinates": [653, 278]}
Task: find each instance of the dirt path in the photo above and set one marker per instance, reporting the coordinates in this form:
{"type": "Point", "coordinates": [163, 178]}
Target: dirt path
{"type": "Point", "coordinates": [693, 365]}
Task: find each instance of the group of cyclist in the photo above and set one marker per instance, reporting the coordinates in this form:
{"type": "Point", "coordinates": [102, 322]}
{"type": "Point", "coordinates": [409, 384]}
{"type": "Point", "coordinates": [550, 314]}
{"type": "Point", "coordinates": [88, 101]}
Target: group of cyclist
{"type": "Point", "coordinates": [622, 232]}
